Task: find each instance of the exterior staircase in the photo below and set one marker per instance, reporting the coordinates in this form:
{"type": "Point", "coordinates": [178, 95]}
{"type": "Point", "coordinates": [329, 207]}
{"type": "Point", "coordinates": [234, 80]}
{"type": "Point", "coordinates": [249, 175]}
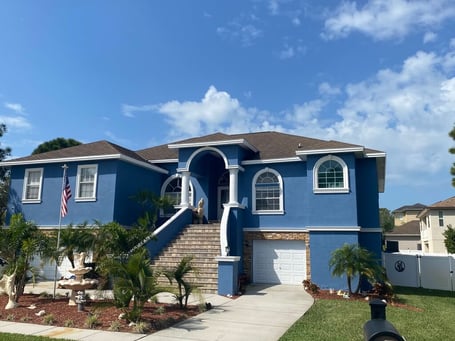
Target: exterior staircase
{"type": "Point", "coordinates": [203, 243]}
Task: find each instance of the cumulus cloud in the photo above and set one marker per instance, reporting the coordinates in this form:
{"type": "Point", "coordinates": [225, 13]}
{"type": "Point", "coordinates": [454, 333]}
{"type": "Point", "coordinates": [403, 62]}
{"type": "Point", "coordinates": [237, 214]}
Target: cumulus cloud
{"type": "Point", "coordinates": [128, 110]}
{"type": "Point", "coordinates": [429, 37]}
{"type": "Point", "coordinates": [385, 19]}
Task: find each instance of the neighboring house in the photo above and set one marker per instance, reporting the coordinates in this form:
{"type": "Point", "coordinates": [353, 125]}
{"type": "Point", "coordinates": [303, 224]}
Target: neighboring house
{"type": "Point", "coordinates": [405, 237]}
{"type": "Point", "coordinates": [407, 213]}
{"type": "Point", "coordinates": [433, 222]}
{"type": "Point", "coordinates": [284, 203]}
{"type": "Point", "coordinates": [406, 232]}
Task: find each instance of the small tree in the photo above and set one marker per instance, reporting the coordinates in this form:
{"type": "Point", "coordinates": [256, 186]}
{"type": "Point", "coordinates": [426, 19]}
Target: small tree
{"type": "Point", "coordinates": [386, 220]}
{"type": "Point", "coordinates": [74, 239]}
{"type": "Point", "coordinates": [55, 144]}
{"type": "Point", "coordinates": [449, 239]}
{"type": "Point", "coordinates": [352, 260]}
{"type": "Point", "coordinates": [19, 244]}
{"type": "Point", "coordinates": [133, 280]}
{"type": "Point", "coordinates": [184, 287]}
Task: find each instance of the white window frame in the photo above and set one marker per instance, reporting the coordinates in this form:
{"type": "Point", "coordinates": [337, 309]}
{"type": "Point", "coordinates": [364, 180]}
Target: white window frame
{"type": "Point", "coordinates": [253, 190]}
{"type": "Point", "coordinates": [441, 218]}
{"type": "Point", "coordinates": [78, 183]}
{"type": "Point", "coordinates": [26, 184]}
{"type": "Point", "coordinates": [163, 192]}
{"type": "Point", "coordinates": [344, 189]}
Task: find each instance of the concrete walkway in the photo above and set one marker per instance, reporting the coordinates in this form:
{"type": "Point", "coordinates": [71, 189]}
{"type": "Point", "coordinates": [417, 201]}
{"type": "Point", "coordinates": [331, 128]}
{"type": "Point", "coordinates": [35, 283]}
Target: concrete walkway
{"type": "Point", "coordinates": [264, 313]}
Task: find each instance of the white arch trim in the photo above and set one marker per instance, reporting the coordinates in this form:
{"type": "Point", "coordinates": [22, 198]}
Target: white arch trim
{"type": "Point", "coordinates": [168, 181]}
{"type": "Point", "coordinates": [253, 191]}
{"type": "Point", "coordinates": [200, 150]}
{"type": "Point", "coordinates": [344, 189]}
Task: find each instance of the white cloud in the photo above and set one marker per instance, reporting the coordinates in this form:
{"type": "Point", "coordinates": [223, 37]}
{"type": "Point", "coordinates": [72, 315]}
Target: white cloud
{"type": "Point", "coordinates": [241, 29]}
{"type": "Point", "coordinates": [385, 19]}
{"type": "Point", "coordinates": [15, 122]}
{"type": "Point", "coordinates": [128, 110]}
{"type": "Point", "coordinates": [429, 37]}
{"type": "Point", "coordinates": [216, 111]}
{"type": "Point", "coordinates": [327, 89]}
{"type": "Point", "coordinates": [17, 107]}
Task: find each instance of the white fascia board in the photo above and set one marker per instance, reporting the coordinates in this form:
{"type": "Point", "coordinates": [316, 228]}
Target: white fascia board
{"type": "Point", "coordinates": [266, 161]}
{"type": "Point", "coordinates": [378, 154]}
{"type": "Point", "coordinates": [213, 143]}
{"type": "Point", "coordinates": [84, 158]}
{"type": "Point", "coordinates": [329, 151]}
{"type": "Point", "coordinates": [334, 228]}
{"type": "Point", "coordinates": [164, 161]}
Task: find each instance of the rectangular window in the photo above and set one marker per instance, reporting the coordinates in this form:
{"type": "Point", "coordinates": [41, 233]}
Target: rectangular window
{"type": "Point", "coordinates": [86, 182]}
{"type": "Point", "coordinates": [32, 185]}
{"type": "Point", "coordinates": [267, 198]}
{"type": "Point", "coordinates": [441, 218]}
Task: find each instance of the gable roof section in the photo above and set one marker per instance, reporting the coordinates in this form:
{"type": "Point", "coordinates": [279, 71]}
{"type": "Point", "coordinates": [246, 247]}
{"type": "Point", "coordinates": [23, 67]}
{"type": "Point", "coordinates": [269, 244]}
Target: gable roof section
{"type": "Point", "coordinates": [407, 208]}
{"type": "Point", "coordinates": [447, 204]}
{"type": "Point", "coordinates": [407, 229]}
{"type": "Point", "coordinates": [100, 150]}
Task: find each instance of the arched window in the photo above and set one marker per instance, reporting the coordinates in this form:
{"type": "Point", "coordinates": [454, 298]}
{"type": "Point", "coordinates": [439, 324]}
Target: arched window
{"type": "Point", "coordinates": [267, 192]}
{"type": "Point", "coordinates": [330, 175]}
{"type": "Point", "coordinates": [172, 189]}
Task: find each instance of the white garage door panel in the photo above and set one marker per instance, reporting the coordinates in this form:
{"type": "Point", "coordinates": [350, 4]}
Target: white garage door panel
{"type": "Point", "coordinates": [279, 261]}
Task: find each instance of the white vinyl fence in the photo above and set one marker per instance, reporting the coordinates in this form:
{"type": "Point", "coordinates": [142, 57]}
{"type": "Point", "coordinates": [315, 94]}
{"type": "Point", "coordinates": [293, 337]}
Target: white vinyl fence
{"type": "Point", "coordinates": [416, 270]}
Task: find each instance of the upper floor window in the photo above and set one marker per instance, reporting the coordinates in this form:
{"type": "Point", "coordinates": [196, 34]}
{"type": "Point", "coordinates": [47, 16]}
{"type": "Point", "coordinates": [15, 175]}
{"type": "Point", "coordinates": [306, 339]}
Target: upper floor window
{"type": "Point", "coordinates": [441, 218]}
{"type": "Point", "coordinates": [32, 185]}
{"type": "Point", "coordinates": [330, 174]}
{"type": "Point", "coordinates": [172, 189]}
{"type": "Point", "coordinates": [86, 182]}
{"type": "Point", "coordinates": [267, 192]}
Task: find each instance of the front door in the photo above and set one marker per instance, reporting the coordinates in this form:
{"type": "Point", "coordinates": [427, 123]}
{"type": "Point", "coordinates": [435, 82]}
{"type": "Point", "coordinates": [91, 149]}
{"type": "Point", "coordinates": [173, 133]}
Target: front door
{"type": "Point", "coordinates": [223, 198]}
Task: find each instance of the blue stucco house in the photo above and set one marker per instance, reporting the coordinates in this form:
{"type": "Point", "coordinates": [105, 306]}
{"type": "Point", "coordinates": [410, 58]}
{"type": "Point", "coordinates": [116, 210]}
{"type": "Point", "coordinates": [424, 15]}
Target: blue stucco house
{"type": "Point", "coordinates": [283, 202]}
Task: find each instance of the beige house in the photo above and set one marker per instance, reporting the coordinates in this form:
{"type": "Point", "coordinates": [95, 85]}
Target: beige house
{"type": "Point", "coordinates": [405, 235]}
{"type": "Point", "coordinates": [433, 222]}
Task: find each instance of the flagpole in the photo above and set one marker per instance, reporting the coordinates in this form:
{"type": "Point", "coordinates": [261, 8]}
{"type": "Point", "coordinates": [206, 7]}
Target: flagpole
{"type": "Point", "coordinates": [65, 167]}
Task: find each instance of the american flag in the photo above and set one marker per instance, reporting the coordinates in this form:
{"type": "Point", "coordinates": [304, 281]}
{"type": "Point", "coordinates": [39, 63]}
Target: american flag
{"type": "Point", "coordinates": [66, 194]}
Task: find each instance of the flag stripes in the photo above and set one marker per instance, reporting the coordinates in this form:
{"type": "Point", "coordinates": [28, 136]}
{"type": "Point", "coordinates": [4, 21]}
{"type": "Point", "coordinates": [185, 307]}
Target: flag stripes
{"type": "Point", "coordinates": [66, 194]}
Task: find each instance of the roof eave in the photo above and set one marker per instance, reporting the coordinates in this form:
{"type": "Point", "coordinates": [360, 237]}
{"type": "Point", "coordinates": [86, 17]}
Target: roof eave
{"type": "Point", "coordinates": [241, 142]}
{"type": "Point", "coordinates": [85, 158]}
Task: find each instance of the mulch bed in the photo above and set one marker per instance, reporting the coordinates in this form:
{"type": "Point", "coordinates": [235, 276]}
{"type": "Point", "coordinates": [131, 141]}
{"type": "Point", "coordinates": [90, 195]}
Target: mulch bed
{"type": "Point", "coordinates": [157, 315]}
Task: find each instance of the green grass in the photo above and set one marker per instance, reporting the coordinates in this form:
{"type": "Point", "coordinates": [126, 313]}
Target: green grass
{"type": "Point", "coordinates": [343, 320]}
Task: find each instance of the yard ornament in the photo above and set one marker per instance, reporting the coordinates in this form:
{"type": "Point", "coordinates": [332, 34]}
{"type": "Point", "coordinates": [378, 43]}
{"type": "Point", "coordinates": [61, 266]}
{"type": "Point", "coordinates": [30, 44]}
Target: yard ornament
{"type": "Point", "coordinates": [7, 287]}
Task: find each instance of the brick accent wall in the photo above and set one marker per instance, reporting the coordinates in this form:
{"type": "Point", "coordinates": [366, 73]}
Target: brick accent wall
{"type": "Point", "coordinates": [249, 237]}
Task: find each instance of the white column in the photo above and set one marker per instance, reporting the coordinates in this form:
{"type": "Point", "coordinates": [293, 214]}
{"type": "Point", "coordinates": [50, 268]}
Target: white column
{"type": "Point", "coordinates": [185, 189]}
{"type": "Point", "coordinates": [233, 185]}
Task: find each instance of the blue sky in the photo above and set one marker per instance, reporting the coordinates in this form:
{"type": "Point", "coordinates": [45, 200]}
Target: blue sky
{"type": "Point", "coordinates": [379, 73]}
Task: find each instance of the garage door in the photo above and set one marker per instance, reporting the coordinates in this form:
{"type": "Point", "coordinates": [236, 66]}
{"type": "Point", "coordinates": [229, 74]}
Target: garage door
{"type": "Point", "coordinates": [279, 261]}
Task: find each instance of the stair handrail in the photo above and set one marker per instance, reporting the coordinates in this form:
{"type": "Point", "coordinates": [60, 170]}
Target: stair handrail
{"type": "Point", "coordinates": [157, 231]}
{"type": "Point", "coordinates": [224, 231]}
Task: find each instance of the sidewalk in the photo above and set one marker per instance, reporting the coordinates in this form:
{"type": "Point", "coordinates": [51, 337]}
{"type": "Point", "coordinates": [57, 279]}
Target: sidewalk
{"type": "Point", "coordinates": [264, 313]}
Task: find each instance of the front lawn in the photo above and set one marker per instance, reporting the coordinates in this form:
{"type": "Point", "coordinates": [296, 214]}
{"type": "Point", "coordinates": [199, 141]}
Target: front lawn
{"type": "Point", "coordinates": [428, 316]}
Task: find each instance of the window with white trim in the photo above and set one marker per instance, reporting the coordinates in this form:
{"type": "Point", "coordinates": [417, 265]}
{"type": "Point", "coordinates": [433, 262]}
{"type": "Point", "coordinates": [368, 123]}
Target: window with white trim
{"type": "Point", "coordinates": [267, 192]}
{"type": "Point", "coordinates": [172, 189]}
{"type": "Point", "coordinates": [330, 174]}
{"type": "Point", "coordinates": [441, 218]}
{"type": "Point", "coordinates": [32, 185]}
{"type": "Point", "coordinates": [86, 182]}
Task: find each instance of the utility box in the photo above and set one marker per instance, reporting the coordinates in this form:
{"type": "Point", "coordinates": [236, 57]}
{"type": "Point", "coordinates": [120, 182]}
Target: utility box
{"type": "Point", "coordinates": [378, 328]}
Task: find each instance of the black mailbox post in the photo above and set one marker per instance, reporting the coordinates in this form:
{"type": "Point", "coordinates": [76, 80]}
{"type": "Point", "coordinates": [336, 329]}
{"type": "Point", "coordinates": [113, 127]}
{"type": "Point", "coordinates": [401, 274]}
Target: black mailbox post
{"type": "Point", "coordinates": [378, 328]}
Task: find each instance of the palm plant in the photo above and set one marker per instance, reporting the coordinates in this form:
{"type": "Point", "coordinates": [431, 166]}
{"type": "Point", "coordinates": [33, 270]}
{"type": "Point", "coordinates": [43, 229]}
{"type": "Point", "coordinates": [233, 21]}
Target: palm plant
{"type": "Point", "coordinates": [19, 244]}
{"type": "Point", "coordinates": [352, 260]}
{"type": "Point", "coordinates": [184, 287]}
{"type": "Point", "coordinates": [133, 280]}
{"type": "Point", "coordinates": [75, 239]}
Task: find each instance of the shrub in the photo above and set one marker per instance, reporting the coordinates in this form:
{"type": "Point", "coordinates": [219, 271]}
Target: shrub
{"type": "Point", "coordinates": [68, 323]}
{"type": "Point", "coordinates": [49, 319]}
{"type": "Point", "coordinates": [92, 321]}
{"type": "Point", "coordinates": [115, 326]}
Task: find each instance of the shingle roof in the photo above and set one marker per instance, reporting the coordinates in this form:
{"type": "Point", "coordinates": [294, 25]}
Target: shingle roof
{"type": "Point", "coordinates": [415, 207]}
{"type": "Point", "coordinates": [448, 203]}
{"type": "Point", "coordinates": [409, 228]}
{"type": "Point", "coordinates": [269, 145]}
{"type": "Point", "coordinates": [99, 148]}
